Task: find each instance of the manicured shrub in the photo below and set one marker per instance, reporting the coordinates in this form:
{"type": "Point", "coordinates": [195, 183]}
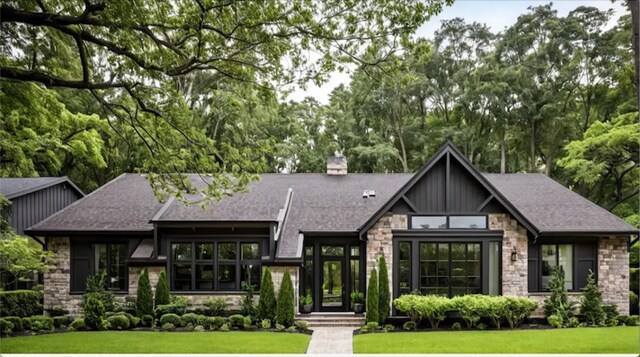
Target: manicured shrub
{"type": "Point", "coordinates": [78, 324]}
{"type": "Point", "coordinates": [215, 322]}
{"type": "Point", "coordinates": [456, 326]}
{"type": "Point", "coordinates": [372, 298]}
{"type": "Point", "coordinates": [170, 318]}
{"type": "Point", "coordinates": [555, 321]}
{"type": "Point", "coordinates": [189, 318]}
{"type": "Point", "coordinates": [61, 321]}
{"type": "Point", "coordinates": [470, 308]}
{"type": "Point", "coordinates": [144, 300]}
{"type": "Point", "coordinates": [56, 311]}
{"type": "Point", "coordinates": [93, 311]}
{"type": "Point", "coordinates": [41, 323]}
{"type": "Point", "coordinates": [409, 326]}
{"type": "Point", "coordinates": [174, 308]}
{"type": "Point", "coordinates": [16, 321]}
{"type": "Point", "coordinates": [408, 304]}
{"type": "Point", "coordinates": [384, 296]}
{"type": "Point", "coordinates": [481, 326]}
{"type": "Point", "coordinates": [236, 320]}
{"type": "Point", "coordinates": [372, 326]}
{"type": "Point", "coordinates": [198, 328]}
{"type": "Point", "coordinates": [95, 287]}
{"type": "Point", "coordinates": [558, 302]}
{"type": "Point", "coordinates": [292, 328]}
{"type": "Point", "coordinates": [389, 328]}
{"type": "Point", "coordinates": [168, 326]}
{"type": "Point", "coordinates": [267, 301]}
{"type": "Point", "coordinates": [216, 306]}
{"type": "Point", "coordinates": [265, 324]}
{"type": "Point", "coordinates": [285, 308]}
{"type": "Point", "coordinates": [573, 322]}
{"type": "Point", "coordinates": [280, 327]}
{"type": "Point", "coordinates": [611, 313]}
{"type": "Point", "coordinates": [496, 310]}
{"type": "Point", "coordinates": [518, 309]}
{"type": "Point", "coordinates": [6, 326]}
{"type": "Point", "coordinates": [118, 322]}
{"type": "Point", "coordinates": [591, 302]}
{"type": "Point", "coordinates": [162, 290]}
{"type": "Point", "coordinates": [26, 323]}
{"type": "Point", "coordinates": [134, 321]}
{"type": "Point", "coordinates": [22, 303]}
{"type": "Point", "coordinates": [301, 325]}
{"type": "Point", "coordinates": [434, 309]}
{"type": "Point", "coordinates": [224, 327]}
{"type": "Point", "coordinates": [147, 320]}
{"type": "Point", "coordinates": [629, 320]}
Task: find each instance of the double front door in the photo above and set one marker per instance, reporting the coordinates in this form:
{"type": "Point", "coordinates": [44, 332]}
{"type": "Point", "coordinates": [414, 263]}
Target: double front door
{"type": "Point", "coordinates": [331, 273]}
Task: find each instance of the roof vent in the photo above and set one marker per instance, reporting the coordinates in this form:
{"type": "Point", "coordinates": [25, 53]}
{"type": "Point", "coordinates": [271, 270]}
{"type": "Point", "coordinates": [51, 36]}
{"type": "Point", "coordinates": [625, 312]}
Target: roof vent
{"type": "Point", "coordinates": [372, 193]}
{"type": "Point", "coordinates": [368, 193]}
{"type": "Point", "coordinates": [336, 165]}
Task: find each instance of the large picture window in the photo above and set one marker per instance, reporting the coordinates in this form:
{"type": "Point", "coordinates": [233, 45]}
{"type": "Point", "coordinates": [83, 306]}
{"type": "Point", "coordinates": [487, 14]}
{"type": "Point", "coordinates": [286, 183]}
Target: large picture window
{"type": "Point", "coordinates": [450, 269]}
{"type": "Point", "coordinates": [449, 222]}
{"type": "Point", "coordinates": [110, 259]}
{"type": "Point", "coordinates": [221, 266]}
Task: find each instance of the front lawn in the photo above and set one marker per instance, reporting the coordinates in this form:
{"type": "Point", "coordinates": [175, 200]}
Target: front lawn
{"type": "Point", "coordinates": [158, 342]}
{"type": "Point", "coordinates": [574, 340]}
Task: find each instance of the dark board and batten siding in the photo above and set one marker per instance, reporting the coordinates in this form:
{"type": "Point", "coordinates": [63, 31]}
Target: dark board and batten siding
{"type": "Point", "coordinates": [34, 207]}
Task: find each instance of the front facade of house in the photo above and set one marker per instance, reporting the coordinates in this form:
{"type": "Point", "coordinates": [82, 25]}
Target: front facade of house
{"type": "Point", "coordinates": [447, 230]}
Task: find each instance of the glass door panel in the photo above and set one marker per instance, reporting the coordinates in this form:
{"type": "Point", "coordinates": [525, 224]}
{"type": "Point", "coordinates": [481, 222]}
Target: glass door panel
{"type": "Point", "coordinates": [332, 285]}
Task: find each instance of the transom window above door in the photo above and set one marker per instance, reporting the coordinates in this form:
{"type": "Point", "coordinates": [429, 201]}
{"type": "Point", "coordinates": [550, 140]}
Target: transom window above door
{"type": "Point", "coordinates": [449, 222]}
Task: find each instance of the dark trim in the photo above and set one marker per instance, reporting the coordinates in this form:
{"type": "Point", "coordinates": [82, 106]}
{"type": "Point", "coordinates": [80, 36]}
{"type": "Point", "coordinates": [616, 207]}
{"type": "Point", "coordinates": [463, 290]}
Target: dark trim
{"type": "Point", "coordinates": [450, 149]}
{"type": "Point", "coordinates": [447, 233]}
{"type": "Point", "coordinates": [315, 234]}
{"type": "Point", "coordinates": [632, 242]}
{"type": "Point", "coordinates": [58, 233]}
{"type": "Point", "coordinates": [212, 224]}
{"type": "Point", "coordinates": [410, 203]}
{"type": "Point", "coordinates": [53, 182]}
{"type": "Point", "coordinates": [587, 233]}
{"type": "Point", "coordinates": [147, 262]}
{"type": "Point", "coordinates": [485, 203]}
{"type": "Point", "coordinates": [447, 186]}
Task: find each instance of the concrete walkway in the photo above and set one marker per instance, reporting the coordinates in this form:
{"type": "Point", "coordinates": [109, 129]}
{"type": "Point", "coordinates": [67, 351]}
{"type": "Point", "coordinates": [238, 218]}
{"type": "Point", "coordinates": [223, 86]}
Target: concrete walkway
{"type": "Point", "coordinates": [331, 340]}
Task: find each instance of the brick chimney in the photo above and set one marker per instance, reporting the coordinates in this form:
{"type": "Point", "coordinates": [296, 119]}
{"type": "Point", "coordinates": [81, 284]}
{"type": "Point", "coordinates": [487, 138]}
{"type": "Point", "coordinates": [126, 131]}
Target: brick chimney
{"type": "Point", "coordinates": [336, 166]}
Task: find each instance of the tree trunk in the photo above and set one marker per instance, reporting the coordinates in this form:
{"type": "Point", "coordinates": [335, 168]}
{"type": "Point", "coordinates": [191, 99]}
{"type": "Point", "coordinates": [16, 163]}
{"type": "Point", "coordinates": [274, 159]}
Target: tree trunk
{"type": "Point", "coordinates": [503, 152]}
{"type": "Point", "coordinates": [532, 147]}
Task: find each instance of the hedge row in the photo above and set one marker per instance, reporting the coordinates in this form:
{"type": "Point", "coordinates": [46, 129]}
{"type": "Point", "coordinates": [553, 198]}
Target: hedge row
{"type": "Point", "coordinates": [472, 308]}
{"type": "Point", "coordinates": [21, 303]}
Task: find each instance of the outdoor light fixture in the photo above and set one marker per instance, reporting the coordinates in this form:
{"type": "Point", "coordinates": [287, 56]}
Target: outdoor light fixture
{"type": "Point", "coordinates": [514, 255]}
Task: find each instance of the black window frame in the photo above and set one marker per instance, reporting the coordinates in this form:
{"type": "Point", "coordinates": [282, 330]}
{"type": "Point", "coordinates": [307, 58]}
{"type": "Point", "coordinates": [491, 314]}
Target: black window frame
{"type": "Point", "coordinates": [125, 261]}
{"type": "Point", "coordinates": [577, 245]}
{"type": "Point", "coordinates": [237, 263]}
{"type": "Point", "coordinates": [447, 217]}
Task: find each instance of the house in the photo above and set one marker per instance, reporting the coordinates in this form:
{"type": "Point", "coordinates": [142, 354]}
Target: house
{"type": "Point", "coordinates": [447, 229]}
{"type": "Point", "coordinates": [34, 199]}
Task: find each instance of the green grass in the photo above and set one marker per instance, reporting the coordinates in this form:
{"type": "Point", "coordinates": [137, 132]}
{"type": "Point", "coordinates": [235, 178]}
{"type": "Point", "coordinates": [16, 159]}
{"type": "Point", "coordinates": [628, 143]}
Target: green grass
{"type": "Point", "coordinates": [158, 342]}
{"type": "Point", "coordinates": [575, 340]}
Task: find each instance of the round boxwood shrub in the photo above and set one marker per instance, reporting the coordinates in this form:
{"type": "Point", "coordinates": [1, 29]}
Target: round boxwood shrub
{"type": "Point", "coordinates": [168, 326]}
{"type": "Point", "coordinates": [60, 321]}
{"type": "Point", "coordinates": [215, 322]}
{"type": "Point", "coordinates": [409, 326]}
{"type": "Point", "coordinates": [78, 324]}
{"type": "Point", "coordinates": [147, 320]}
{"type": "Point", "coordinates": [118, 322]}
{"type": "Point", "coordinates": [170, 318]}
{"type": "Point", "coordinates": [189, 318]}
{"type": "Point", "coordinates": [236, 320]}
{"type": "Point", "coordinates": [26, 323]}
{"type": "Point", "coordinates": [16, 321]}
{"type": "Point", "coordinates": [41, 323]}
{"type": "Point", "coordinates": [6, 326]}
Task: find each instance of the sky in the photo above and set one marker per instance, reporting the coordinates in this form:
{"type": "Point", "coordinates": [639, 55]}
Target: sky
{"type": "Point", "coordinates": [497, 14]}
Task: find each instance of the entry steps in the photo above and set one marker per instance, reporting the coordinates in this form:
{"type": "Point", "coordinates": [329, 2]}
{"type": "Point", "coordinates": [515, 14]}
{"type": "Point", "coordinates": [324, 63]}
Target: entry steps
{"type": "Point", "coordinates": [332, 319]}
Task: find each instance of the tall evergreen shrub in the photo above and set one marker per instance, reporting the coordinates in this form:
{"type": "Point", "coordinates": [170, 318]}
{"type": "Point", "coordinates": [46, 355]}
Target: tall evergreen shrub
{"type": "Point", "coordinates": [267, 302]}
{"type": "Point", "coordinates": [384, 293]}
{"type": "Point", "coordinates": [162, 290]}
{"type": "Point", "coordinates": [144, 301]}
{"type": "Point", "coordinates": [372, 298]}
{"type": "Point", "coordinates": [558, 302]}
{"type": "Point", "coordinates": [591, 302]}
{"type": "Point", "coordinates": [284, 309]}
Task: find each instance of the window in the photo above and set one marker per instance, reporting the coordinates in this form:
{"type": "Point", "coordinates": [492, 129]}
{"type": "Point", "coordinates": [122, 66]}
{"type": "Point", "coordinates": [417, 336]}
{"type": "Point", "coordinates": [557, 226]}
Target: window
{"type": "Point", "coordinates": [450, 269]}
{"type": "Point", "coordinates": [404, 268]}
{"type": "Point", "coordinates": [451, 222]}
{"type": "Point", "coordinates": [206, 266]}
{"type": "Point", "coordinates": [494, 267]}
{"type": "Point", "coordinates": [111, 259]}
{"type": "Point", "coordinates": [475, 222]}
{"type": "Point", "coordinates": [428, 222]}
{"type": "Point", "coordinates": [554, 255]}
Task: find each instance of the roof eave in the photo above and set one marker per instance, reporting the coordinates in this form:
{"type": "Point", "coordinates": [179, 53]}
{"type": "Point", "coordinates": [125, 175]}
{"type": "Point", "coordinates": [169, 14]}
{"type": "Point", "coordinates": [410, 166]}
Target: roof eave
{"type": "Point", "coordinates": [590, 233]}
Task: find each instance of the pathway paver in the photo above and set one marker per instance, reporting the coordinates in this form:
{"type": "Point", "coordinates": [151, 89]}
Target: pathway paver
{"type": "Point", "coordinates": [331, 340]}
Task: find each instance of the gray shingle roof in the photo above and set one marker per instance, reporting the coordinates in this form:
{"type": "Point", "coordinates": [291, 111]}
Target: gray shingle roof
{"type": "Point", "coordinates": [551, 207]}
{"type": "Point", "coordinates": [320, 203]}
{"type": "Point", "coordinates": [12, 187]}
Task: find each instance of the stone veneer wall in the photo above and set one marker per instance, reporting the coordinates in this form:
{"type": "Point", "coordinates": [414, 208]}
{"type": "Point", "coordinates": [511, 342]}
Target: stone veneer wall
{"type": "Point", "coordinates": [379, 237]}
{"type": "Point", "coordinates": [613, 272]}
{"type": "Point", "coordinates": [514, 274]}
{"type": "Point", "coordinates": [57, 282]}
{"type": "Point", "coordinates": [277, 272]}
